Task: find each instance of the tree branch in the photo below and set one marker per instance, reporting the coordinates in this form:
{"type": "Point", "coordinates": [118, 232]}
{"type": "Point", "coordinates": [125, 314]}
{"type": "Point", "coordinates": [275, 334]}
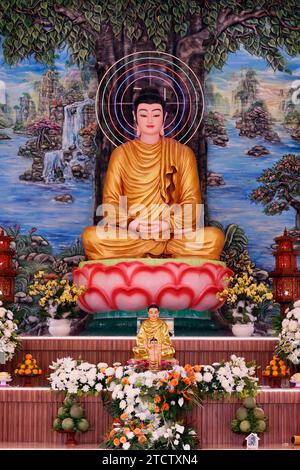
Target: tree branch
{"type": "Point", "coordinates": [234, 19]}
{"type": "Point", "coordinates": [285, 25]}
{"type": "Point", "coordinates": [76, 18]}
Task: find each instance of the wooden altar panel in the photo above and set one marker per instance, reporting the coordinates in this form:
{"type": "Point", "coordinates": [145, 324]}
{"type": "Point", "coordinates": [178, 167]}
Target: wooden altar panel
{"type": "Point", "coordinates": [27, 416]}
{"type": "Point", "coordinates": [106, 349]}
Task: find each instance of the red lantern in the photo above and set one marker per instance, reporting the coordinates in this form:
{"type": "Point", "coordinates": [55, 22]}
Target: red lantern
{"type": "Point", "coordinates": [7, 272]}
{"type": "Point", "coordinates": [286, 277]}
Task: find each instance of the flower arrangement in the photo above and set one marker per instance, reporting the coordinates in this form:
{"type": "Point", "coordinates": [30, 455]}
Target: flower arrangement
{"type": "Point", "coordinates": [9, 341]}
{"type": "Point", "coordinates": [75, 377]}
{"type": "Point", "coordinates": [57, 297]}
{"type": "Point", "coordinates": [276, 368]}
{"type": "Point", "coordinates": [244, 294]}
{"type": "Point", "coordinates": [289, 338]}
{"type": "Point", "coordinates": [135, 435]}
{"type": "Point", "coordinates": [153, 403]}
{"type": "Point", "coordinates": [234, 377]}
{"type": "Point", "coordinates": [249, 418]}
{"type": "Point", "coordinates": [71, 417]}
{"type": "Point", "coordinates": [28, 367]}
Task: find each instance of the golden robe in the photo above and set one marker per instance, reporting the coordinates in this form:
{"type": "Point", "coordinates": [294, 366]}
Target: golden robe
{"type": "Point", "coordinates": [153, 329]}
{"type": "Point", "coordinates": [162, 174]}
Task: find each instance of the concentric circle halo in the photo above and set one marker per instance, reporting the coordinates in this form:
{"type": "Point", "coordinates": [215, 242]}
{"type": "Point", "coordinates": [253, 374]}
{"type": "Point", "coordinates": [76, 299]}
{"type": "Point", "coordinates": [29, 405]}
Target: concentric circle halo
{"type": "Point", "coordinates": [176, 81]}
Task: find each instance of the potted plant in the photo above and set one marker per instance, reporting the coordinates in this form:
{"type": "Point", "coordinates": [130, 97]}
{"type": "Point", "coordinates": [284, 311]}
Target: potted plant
{"type": "Point", "coordinates": [243, 296]}
{"type": "Point", "coordinates": [58, 300]}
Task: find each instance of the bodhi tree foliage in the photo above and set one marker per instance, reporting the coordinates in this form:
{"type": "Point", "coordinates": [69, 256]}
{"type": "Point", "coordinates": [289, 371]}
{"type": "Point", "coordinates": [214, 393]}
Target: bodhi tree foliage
{"type": "Point", "coordinates": [280, 188]}
{"type": "Point", "coordinates": [201, 33]}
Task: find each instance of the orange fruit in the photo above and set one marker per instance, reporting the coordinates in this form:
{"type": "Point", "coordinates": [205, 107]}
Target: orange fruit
{"type": "Point", "coordinates": [22, 366]}
{"type": "Point", "coordinates": [27, 362]}
{"type": "Point", "coordinates": [27, 371]}
{"type": "Point", "coordinates": [275, 373]}
{"type": "Point", "coordinates": [35, 371]}
{"type": "Point", "coordinates": [21, 372]}
{"type": "Point", "coordinates": [28, 356]}
{"type": "Point", "coordinates": [40, 371]}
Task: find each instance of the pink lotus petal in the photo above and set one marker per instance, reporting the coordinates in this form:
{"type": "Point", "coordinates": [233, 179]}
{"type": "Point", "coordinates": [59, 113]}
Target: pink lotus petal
{"type": "Point", "coordinates": [130, 298]}
{"type": "Point", "coordinates": [95, 300]}
{"type": "Point", "coordinates": [207, 300]}
{"type": "Point", "coordinates": [152, 279]}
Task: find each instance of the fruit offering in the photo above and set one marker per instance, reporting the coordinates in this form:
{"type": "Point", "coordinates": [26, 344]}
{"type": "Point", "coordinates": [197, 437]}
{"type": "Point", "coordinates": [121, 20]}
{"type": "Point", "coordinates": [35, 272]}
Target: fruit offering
{"type": "Point", "coordinates": [71, 417]}
{"type": "Point", "coordinates": [249, 417]}
{"type": "Point", "coordinates": [28, 368]}
{"type": "Point", "coordinates": [276, 368]}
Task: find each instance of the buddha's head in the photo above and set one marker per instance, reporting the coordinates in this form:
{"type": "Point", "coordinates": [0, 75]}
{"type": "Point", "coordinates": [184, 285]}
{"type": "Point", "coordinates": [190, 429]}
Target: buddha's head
{"type": "Point", "coordinates": [149, 111]}
{"type": "Point", "coordinates": [153, 312]}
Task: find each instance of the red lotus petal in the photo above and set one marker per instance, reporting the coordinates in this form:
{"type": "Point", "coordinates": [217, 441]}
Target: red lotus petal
{"type": "Point", "coordinates": [80, 278]}
{"type": "Point", "coordinates": [175, 297]}
{"type": "Point", "coordinates": [130, 298]}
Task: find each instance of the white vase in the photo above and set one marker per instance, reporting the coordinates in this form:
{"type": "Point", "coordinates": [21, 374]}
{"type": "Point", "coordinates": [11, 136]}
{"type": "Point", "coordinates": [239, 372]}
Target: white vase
{"type": "Point", "coordinates": [243, 330]}
{"type": "Point", "coordinates": [59, 327]}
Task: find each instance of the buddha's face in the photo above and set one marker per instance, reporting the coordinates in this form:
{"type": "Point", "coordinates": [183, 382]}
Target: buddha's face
{"type": "Point", "coordinates": [150, 118]}
{"type": "Point", "coordinates": [153, 313]}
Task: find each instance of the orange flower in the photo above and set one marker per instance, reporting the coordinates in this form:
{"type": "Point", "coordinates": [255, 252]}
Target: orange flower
{"type": "Point", "coordinates": [197, 368]}
{"type": "Point", "coordinates": [125, 381]}
{"type": "Point", "coordinates": [165, 406]}
{"type": "Point", "coordinates": [188, 367]}
{"type": "Point", "coordinates": [116, 442]}
{"type": "Point", "coordinates": [123, 440]}
{"type": "Point", "coordinates": [141, 426]}
{"type": "Point", "coordinates": [157, 399]}
{"type": "Point", "coordinates": [186, 380]}
{"type": "Point", "coordinates": [126, 430]}
{"type": "Point", "coordinates": [112, 433]}
{"type": "Point", "coordinates": [142, 439]}
{"type": "Point", "coordinates": [137, 431]}
{"type": "Point", "coordinates": [176, 375]}
{"type": "Point", "coordinates": [123, 416]}
{"type": "Point", "coordinates": [174, 382]}
{"type": "Point", "coordinates": [156, 409]}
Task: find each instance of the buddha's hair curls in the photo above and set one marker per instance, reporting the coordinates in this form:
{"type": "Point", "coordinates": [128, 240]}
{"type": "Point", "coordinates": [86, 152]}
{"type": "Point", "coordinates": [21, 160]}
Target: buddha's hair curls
{"type": "Point", "coordinates": [149, 95]}
{"type": "Point", "coordinates": [153, 306]}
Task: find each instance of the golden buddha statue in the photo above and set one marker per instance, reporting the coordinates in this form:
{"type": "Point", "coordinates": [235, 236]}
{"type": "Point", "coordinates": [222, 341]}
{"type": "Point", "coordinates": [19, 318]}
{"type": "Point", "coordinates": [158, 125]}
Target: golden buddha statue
{"type": "Point", "coordinates": [158, 178]}
{"type": "Point", "coordinates": [153, 340]}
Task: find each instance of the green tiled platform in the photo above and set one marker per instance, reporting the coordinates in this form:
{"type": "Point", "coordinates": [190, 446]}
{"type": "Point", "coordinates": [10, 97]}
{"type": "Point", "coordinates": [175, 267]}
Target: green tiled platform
{"type": "Point", "coordinates": [186, 323]}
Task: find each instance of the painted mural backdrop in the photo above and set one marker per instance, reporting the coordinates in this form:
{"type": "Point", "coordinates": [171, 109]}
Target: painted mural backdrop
{"type": "Point", "coordinates": [44, 109]}
{"type": "Point", "coordinates": [253, 124]}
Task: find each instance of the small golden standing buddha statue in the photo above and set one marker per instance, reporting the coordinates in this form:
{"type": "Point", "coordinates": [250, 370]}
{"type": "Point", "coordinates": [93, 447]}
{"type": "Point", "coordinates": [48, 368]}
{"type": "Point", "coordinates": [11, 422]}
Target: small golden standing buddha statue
{"type": "Point", "coordinates": [153, 342]}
